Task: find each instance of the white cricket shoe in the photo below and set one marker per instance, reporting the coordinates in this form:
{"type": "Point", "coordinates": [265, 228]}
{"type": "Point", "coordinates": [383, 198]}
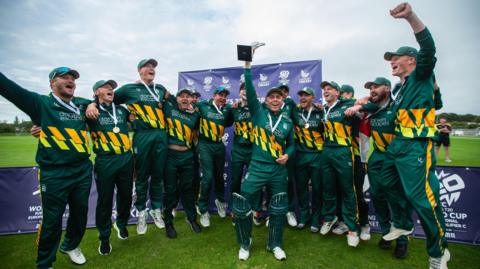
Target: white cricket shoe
{"type": "Point", "coordinates": [76, 256]}
{"type": "Point", "coordinates": [267, 222]}
{"type": "Point", "coordinates": [279, 254]}
{"type": "Point", "coordinates": [365, 233]}
{"type": "Point", "coordinates": [142, 222]}
{"type": "Point", "coordinates": [340, 229]}
{"type": "Point", "coordinates": [243, 254]}
{"type": "Point", "coordinates": [396, 233]}
{"type": "Point", "coordinates": [327, 226]}
{"type": "Point", "coordinates": [220, 208]}
{"type": "Point", "coordinates": [352, 239]}
{"type": "Point", "coordinates": [156, 214]}
{"type": "Point", "coordinates": [314, 229]}
{"type": "Point", "coordinates": [441, 262]}
{"type": "Point", "coordinates": [174, 213]}
{"type": "Point", "coordinates": [205, 219]}
{"type": "Point", "coordinates": [292, 221]}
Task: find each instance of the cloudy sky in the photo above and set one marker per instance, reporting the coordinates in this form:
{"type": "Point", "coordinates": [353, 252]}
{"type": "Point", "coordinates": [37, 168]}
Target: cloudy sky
{"type": "Point", "coordinates": [106, 39]}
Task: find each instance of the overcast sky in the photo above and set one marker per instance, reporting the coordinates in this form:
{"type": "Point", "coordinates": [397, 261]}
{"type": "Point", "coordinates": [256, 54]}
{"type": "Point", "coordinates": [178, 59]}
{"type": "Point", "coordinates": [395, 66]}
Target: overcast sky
{"type": "Point", "coordinates": [106, 39]}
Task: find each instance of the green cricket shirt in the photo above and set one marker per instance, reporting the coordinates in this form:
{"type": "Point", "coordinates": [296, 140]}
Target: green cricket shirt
{"type": "Point", "coordinates": [268, 146]}
{"type": "Point", "coordinates": [181, 124]}
{"type": "Point", "coordinates": [63, 138]}
{"type": "Point", "coordinates": [338, 127]}
{"type": "Point", "coordinates": [308, 137]}
{"type": "Point", "coordinates": [243, 125]}
{"type": "Point", "coordinates": [213, 122]}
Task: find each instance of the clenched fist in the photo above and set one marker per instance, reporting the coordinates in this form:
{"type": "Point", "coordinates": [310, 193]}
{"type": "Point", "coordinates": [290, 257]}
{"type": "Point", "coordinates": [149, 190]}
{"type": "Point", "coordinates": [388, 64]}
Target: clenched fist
{"type": "Point", "coordinates": [404, 10]}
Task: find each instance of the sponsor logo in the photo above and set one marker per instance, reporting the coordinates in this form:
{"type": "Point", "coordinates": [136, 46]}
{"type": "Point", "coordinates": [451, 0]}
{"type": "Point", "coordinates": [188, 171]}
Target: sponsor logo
{"type": "Point", "coordinates": [242, 78]}
{"type": "Point", "coordinates": [207, 83]}
{"type": "Point", "coordinates": [283, 77]}
{"type": "Point", "coordinates": [263, 80]}
{"type": "Point", "coordinates": [189, 82]}
{"type": "Point", "coordinates": [304, 77]}
{"type": "Point", "coordinates": [225, 83]}
{"type": "Point", "coordinates": [451, 186]}
{"type": "Point", "coordinates": [225, 139]}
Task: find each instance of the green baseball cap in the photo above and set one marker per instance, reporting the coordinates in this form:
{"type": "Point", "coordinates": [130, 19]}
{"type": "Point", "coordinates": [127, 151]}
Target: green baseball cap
{"type": "Point", "coordinates": [274, 90]}
{"type": "Point", "coordinates": [405, 50]}
{"type": "Point", "coordinates": [378, 81]}
{"type": "Point", "coordinates": [332, 84]}
{"type": "Point", "coordinates": [220, 90]}
{"type": "Point", "coordinates": [101, 83]}
{"type": "Point", "coordinates": [347, 88]}
{"type": "Point", "coordinates": [307, 90]}
{"type": "Point", "coordinates": [143, 62]}
{"type": "Point", "coordinates": [283, 86]}
{"type": "Point", "coordinates": [182, 90]}
{"type": "Point", "coordinates": [60, 71]}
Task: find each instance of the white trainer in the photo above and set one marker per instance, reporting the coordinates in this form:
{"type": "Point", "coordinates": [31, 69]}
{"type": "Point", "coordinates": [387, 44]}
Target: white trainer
{"type": "Point", "coordinates": [441, 262]}
{"type": "Point", "coordinates": [292, 221]}
{"type": "Point", "coordinates": [352, 239]}
{"type": "Point", "coordinates": [314, 229]}
{"type": "Point", "coordinates": [267, 222]}
{"type": "Point", "coordinates": [76, 256]}
{"type": "Point", "coordinates": [205, 219]}
{"type": "Point", "coordinates": [156, 214]}
{"type": "Point", "coordinates": [396, 233]}
{"type": "Point", "coordinates": [448, 160]}
{"type": "Point", "coordinates": [341, 228]}
{"type": "Point", "coordinates": [142, 222]}
{"type": "Point", "coordinates": [174, 213]}
{"type": "Point", "coordinates": [243, 254]}
{"type": "Point", "coordinates": [365, 233]}
{"type": "Point", "coordinates": [327, 226]}
{"type": "Point", "coordinates": [220, 208]}
{"type": "Point", "coordinates": [279, 254]}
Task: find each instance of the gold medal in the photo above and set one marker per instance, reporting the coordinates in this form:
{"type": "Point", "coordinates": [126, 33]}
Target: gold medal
{"type": "Point", "coordinates": [307, 125]}
{"type": "Point", "coordinates": [159, 105]}
{"type": "Point", "coordinates": [116, 130]}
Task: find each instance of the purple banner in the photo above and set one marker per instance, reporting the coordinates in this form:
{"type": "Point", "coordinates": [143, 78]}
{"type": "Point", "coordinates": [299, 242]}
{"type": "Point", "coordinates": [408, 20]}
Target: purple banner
{"type": "Point", "coordinates": [22, 212]}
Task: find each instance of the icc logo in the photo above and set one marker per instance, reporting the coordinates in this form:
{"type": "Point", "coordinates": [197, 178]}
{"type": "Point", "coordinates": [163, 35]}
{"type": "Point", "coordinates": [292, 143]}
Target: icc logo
{"type": "Point", "coordinates": [189, 82]}
{"type": "Point", "coordinates": [450, 187]}
{"type": "Point", "coordinates": [207, 80]}
{"type": "Point", "coordinates": [284, 74]}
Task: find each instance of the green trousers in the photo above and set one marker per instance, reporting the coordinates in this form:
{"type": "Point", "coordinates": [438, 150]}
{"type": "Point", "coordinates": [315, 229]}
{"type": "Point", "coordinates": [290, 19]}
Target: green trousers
{"type": "Point", "coordinates": [414, 161]}
{"type": "Point", "coordinates": [113, 171]}
{"type": "Point", "coordinates": [308, 169]}
{"type": "Point", "coordinates": [196, 172]}
{"type": "Point", "coordinates": [212, 162]}
{"type": "Point", "coordinates": [59, 186]}
{"type": "Point", "coordinates": [337, 166]}
{"type": "Point", "coordinates": [179, 175]}
{"type": "Point", "coordinates": [291, 183]}
{"type": "Point", "coordinates": [387, 212]}
{"type": "Point", "coordinates": [150, 153]}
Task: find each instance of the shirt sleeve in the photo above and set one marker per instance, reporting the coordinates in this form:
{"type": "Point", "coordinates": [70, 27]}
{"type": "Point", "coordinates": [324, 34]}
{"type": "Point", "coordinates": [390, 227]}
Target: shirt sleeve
{"type": "Point", "coordinates": [426, 56]}
{"type": "Point", "coordinates": [369, 107]}
{"type": "Point", "coordinates": [229, 116]}
{"type": "Point", "coordinates": [27, 101]}
{"type": "Point", "coordinates": [253, 103]}
{"type": "Point", "coordinates": [290, 150]}
{"type": "Point", "coordinates": [120, 96]}
{"type": "Point", "coordinates": [437, 99]}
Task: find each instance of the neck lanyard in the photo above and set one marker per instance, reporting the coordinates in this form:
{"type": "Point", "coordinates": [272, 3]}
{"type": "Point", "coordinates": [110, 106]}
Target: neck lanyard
{"type": "Point", "coordinates": [114, 116]}
{"type": "Point", "coordinates": [270, 121]}
{"type": "Point", "coordinates": [308, 116]}
{"type": "Point", "coordinates": [328, 111]}
{"type": "Point", "coordinates": [154, 93]}
{"type": "Point", "coordinates": [70, 106]}
{"type": "Point", "coordinates": [216, 107]}
{"type": "Point", "coordinates": [394, 96]}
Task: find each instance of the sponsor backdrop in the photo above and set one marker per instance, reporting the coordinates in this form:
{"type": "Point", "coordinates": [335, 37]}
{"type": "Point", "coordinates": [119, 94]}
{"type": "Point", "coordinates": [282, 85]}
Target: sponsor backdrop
{"type": "Point", "coordinates": [22, 212]}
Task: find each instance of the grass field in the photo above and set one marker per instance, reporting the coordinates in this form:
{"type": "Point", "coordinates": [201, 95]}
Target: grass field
{"type": "Point", "coordinates": [216, 247]}
{"type": "Point", "coordinates": [20, 151]}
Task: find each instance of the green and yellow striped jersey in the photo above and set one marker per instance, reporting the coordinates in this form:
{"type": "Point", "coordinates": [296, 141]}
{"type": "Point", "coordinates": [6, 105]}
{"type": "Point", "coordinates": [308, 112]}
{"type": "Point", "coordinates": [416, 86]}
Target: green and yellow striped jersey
{"type": "Point", "coordinates": [268, 146]}
{"type": "Point", "coordinates": [181, 125]}
{"type": "Point", "coordinates": [63, 139]}
{"type": "Point", "coordinates": [243, 125]}
{"type": "Point", "coordinates": [382, 125]}
{"type": "Point", "coordinates": [338, 127]}
{"type": "Point", "coordinates": [308, 138]}
{"type": "Point", "coordinates": [105, 140]}
{"type": "Point", "coordinates": [148, 112]}
{"type": "Point", "coordinates": [212, 122]}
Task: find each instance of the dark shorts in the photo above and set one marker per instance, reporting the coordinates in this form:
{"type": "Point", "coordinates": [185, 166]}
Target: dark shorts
{"type": "Point", "coordinates": [443, 140]}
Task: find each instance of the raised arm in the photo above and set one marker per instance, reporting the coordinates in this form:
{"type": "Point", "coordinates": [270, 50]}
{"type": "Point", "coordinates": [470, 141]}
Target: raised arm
{"type": "Point", "coordinates": [27, 101]}
{"type": "Point", "coordinates": [253, 103]}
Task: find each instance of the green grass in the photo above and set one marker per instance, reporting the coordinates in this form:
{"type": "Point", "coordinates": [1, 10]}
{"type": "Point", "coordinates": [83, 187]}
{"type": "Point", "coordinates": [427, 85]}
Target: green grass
{"type": "Point", "coordinates": [216, 247]}
{"type": "Point", "coordinates": [20, 151]}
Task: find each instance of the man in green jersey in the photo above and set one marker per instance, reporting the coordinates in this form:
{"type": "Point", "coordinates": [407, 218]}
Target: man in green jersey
{"type": "Point", "coordinates": [182, 123]}
{"type": "Point", "coordinates": [411, 152]}
{"type": "Point", "coordinates": [215, 115]}
{"type": "Point", "coordinates": [273, 146]}
{"type": "Point", "coordinates": [308, 124]}
{"type": "Point", "coordinates": [144, 99]}
{"type": "Point", "coordinates": [360, 147]}
{"type": "Point", "coordinates": [337, 163]}
{"type": "Point", "coordinates": [63, 157]}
